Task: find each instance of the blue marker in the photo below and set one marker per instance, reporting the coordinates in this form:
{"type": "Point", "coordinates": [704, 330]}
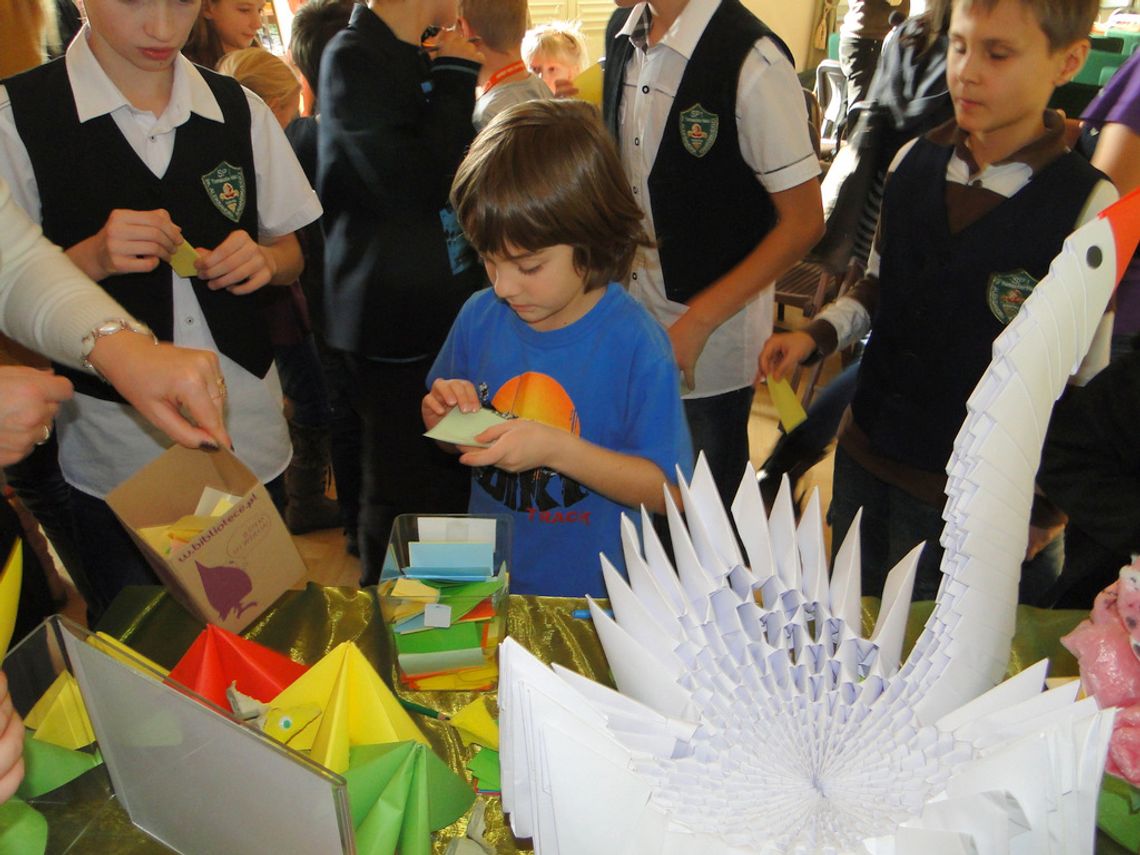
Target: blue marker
{"type": "Point", "coordinates": [584, 614]}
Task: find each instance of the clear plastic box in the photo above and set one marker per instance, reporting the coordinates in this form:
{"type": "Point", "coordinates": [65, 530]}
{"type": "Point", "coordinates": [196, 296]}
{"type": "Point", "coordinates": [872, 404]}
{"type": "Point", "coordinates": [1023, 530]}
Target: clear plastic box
{"type": "Point", "coordinates": [443, 595]}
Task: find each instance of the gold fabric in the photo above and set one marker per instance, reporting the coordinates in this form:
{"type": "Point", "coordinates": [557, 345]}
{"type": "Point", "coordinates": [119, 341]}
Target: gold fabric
{"type": "Point", "coordinates": [308, 624]}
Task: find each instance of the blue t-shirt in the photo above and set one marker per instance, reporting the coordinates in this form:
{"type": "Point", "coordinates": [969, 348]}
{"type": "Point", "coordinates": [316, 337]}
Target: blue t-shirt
{"type": "Point", "coordinates": [611, 378]}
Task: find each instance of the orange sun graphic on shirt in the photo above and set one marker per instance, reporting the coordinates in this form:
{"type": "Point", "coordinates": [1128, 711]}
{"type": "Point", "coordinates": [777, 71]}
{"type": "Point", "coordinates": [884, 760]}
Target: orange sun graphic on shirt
{"type": "Point", "coordinates": [538, 397]}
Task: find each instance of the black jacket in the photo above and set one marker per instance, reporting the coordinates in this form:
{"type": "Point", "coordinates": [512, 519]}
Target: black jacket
{"type": "Point", "coordinates": [394, 128]}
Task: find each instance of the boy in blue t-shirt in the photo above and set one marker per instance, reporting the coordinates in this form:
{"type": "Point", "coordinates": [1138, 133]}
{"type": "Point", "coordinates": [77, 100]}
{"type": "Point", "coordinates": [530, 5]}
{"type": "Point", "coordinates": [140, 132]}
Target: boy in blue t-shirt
{"type": "Point", "coordinates": [556, 343]}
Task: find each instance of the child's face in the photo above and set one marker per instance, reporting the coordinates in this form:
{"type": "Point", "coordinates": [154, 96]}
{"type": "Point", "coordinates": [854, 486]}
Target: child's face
{"type": "Point", "coordinates": [552, 69]}
{"type": "Point", "coordinates": [235, 21]}
{"type": "Point", "coordinates": [129, 36]}
{"type": "Point", "coordinates": [1002, 71]}
{"type": "Point", "coordinates": [542, 287]}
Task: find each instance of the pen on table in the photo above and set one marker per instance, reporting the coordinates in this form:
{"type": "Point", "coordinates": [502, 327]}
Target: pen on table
{"type": "Point", "coordinates": [422, 710]}
{"type": "Point", "coordinates": [584, 614]}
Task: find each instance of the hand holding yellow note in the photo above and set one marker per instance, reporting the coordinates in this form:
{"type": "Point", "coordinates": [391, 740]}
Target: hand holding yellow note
{"type": "Point", "coordinates": [183, 260]}
{"type": "Point", "coordinates": [788, 406]}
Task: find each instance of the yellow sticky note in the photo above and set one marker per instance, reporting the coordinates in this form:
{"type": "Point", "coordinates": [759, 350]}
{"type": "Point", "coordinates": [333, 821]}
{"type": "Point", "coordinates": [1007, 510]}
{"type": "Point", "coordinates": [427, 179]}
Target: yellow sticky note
{"type": "Point", "coordinates": [788, 405]}
{"type": "Point", "coordinates": [475, 724]}
{"type": "Point", "coordinates": [189, 527]}
{"type": "Point", "coordinates": [10, 594]}
{"type": "Point", "coordinates": [589, 84]}
{"type": "Point", "coordinates": [59, 717]}
{"type": "Point", "coordinates": [183, 260]}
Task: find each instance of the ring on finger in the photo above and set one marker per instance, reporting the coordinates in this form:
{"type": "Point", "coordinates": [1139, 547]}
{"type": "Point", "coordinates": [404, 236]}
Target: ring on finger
{"type": "Point", "coordinates": [46, 434]}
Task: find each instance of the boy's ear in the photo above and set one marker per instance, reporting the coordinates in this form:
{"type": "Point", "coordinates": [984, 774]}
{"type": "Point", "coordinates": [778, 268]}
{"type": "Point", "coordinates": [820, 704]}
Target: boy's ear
{"type": "Point", "coordinates": [1074, 59]}
{"type": "Point", "coordinates": [465, 28]}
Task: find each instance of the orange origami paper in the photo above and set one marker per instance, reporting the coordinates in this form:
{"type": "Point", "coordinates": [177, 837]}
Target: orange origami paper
{"type": "Point", "coordinates": [219, 658]}
{"type": "Point", "coordinates": [358, 709]}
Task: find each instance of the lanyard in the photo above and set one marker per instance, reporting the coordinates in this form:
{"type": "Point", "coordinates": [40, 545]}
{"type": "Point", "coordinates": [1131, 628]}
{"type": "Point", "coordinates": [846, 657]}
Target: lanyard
{"type": "Point", "coordinates": [502, 74]}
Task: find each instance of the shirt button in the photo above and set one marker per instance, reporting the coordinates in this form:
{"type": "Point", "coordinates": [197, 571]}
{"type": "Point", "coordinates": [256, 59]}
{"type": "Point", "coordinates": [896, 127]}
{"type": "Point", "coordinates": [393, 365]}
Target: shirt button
{"type": "Point", "coordinates": [634, 275]}
{"type": "Point", "coordinates": [637, 140]}
{"type": "Point", "coordinates": [645, 90]}
{"type": "Point", "coordinates": [190, 321]}
{"type": "Point", "coordinates": [634, 191]}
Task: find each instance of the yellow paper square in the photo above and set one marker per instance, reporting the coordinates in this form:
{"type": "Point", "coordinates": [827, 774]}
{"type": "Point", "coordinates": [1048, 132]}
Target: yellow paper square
{"type": "Point", "coordinates": [183, 260]}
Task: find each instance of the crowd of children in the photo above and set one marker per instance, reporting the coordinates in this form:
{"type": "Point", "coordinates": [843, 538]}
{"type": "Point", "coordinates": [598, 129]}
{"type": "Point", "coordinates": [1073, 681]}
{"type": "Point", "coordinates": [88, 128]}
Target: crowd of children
{"type": "Point", "coordinates": [602, 278]}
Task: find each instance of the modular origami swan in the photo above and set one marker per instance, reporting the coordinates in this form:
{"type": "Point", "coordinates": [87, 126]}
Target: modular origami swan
{"type": "Point", "coordinates": [752, 716]}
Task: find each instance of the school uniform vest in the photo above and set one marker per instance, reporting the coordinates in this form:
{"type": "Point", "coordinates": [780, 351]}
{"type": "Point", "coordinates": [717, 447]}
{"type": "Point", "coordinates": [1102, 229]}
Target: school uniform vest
{"type": "Point", "coordinates": [709, 210]}
{"type": "Point", "coordinates": [86, 170]}
{"type": "Point", "coordinates": [945, 297]}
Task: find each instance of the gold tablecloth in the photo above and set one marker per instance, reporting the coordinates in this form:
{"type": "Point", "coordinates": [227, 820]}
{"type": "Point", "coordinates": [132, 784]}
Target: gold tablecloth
{"type": "Point", "coordinates": [308, 624]}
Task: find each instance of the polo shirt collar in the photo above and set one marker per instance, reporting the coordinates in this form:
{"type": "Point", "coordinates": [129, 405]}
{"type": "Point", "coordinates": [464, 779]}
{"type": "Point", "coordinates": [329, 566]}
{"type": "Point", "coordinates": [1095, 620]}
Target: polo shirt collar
{"type": "Point", "coordinates": [96, 95]}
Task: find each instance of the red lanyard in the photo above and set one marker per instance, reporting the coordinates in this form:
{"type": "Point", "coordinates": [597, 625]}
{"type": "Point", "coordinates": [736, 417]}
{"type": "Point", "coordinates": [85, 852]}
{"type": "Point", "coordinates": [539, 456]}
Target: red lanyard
{"type": "Point", "coordinates": [502, 74]}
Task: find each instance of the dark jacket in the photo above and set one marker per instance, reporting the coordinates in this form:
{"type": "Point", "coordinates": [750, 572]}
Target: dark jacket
{"type": "Point", "coordinates": [394, 128]}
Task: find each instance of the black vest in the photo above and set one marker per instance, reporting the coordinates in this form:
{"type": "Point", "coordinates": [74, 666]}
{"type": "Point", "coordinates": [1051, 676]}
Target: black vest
{"type": "Point", "coordinates": [944, 298]}
{"type": "Point", "coordinates": [84, 171]}
{"type": "Point", "coordinates": [709, 211]}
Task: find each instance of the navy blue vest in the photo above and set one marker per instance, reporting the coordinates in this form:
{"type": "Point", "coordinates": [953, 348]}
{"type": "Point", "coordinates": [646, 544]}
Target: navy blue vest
{"type": "Point", "coordinates": [84, 171]}
{"type": "Point", "coordinates": [709, 211]}
{"type": "Point", "coordinates": [945, 297]}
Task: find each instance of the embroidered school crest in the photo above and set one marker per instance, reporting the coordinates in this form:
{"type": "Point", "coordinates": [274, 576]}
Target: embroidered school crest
{"type": "Point", "coordinates": [225, 185]}
{"type": "Point", "coordinates": [1007, 291]}
{"type": "Point", "coordinates": [698, 130]}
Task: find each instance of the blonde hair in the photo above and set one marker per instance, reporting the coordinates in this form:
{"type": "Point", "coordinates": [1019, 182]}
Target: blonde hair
{"type": "Point", "coordinates": [499, 23]}
{"type": "Point", "coordinates": [265, 74]}
{"type": "Point", "coordinates": [561, 41]}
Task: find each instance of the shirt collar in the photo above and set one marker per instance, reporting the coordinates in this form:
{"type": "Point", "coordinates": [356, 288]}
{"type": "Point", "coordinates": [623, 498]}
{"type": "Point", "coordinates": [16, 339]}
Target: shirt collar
{"type": "Point", "coordinates": [1037, 154]}
{"type": "Point", "coordinates": [682, 36]}
{"type": "Point", "coordinates": [96, 95]}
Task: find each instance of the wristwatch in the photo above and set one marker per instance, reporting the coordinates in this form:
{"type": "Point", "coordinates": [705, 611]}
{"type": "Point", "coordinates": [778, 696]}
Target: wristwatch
{"type": "Point", "coordinates": [105, 329]}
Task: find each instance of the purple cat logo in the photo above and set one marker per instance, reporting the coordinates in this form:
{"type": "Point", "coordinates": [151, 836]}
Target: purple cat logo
{"type": "Point", "coordinates": [225, 587]}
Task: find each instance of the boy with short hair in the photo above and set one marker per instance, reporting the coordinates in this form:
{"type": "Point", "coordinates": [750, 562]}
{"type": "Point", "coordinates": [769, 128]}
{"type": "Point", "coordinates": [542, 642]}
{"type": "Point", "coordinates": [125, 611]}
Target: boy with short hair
{"type": "Point", "coordinates": [712, 129]}
{"type": "Point", "coordinates": [122, 150]}
{"type": "Point", "coordinates": [558, 344]}
{"type": "Point", "coordinates": [973, 213]}
{"type": "Point", "coordinates": [498, 27]}
{"type": "Point", "coordinates": [395, 122]}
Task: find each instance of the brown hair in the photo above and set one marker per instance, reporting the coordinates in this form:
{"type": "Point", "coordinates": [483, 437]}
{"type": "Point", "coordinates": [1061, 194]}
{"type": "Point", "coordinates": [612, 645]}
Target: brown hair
{"type": "Point", "coordinates": [499, 23]}
{"type": "Point", "coordinates": [1063, 21]}
{"type": "Point", "coordinates": [265, 74]}
{"type": "Point", "coordinates": [545, 173]}
{"type": "Point", "coordinates": [314, 25]}
{"type": "Point", "coordinates": [561, 41]}
{"type": "Point", "coordinates": [204, 45]}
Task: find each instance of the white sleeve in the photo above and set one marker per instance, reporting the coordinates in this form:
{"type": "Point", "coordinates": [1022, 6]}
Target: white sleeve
{"type": "Point", "coordinates": [1102, 195]}
{"type": "Point", "coordinates": [850, 318]}
{"type": "Point", "coordinates": [285, 200]}
{"type": "Point", "coordinates": [46, 303]}
{"type": "Point", "coordinates": [771, 120]}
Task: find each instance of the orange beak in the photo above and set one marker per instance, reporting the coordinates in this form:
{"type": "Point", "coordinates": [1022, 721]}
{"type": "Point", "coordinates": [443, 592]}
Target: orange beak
{"type": "Point", "coordinates": [1124, 219]}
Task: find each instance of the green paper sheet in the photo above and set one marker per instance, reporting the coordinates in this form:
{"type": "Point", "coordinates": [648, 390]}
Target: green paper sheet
{"type": "Point", "coordinates": [384, 827]}
{"type": "Point", "coordinates": [485, 767]}
{"type": "Point", "coordinates": [1118, 812]}
{"type": "Point", "coordinates": [48, 767]}
{"type": "Point", "coordinates": [461, 636]}
{"type": "Point", "coordinates": [370, 766]}
{"type": "Point", "coordinates": [23, 829]}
